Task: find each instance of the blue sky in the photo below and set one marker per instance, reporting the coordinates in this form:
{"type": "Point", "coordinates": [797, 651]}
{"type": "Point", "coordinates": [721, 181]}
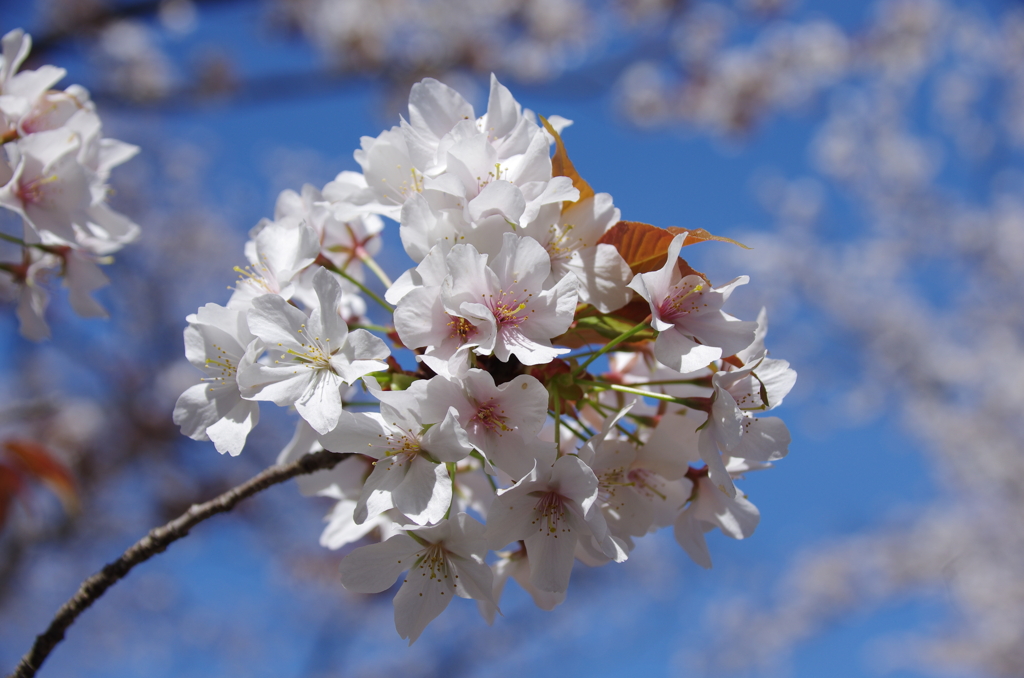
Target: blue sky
{"type": "Point", "coordinates": [642, 617]}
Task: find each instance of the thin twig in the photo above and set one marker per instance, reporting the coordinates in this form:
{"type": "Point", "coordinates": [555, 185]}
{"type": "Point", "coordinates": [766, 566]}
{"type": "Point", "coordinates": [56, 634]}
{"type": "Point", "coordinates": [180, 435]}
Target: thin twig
{"type": "Point", "coordinates": [157, 541]}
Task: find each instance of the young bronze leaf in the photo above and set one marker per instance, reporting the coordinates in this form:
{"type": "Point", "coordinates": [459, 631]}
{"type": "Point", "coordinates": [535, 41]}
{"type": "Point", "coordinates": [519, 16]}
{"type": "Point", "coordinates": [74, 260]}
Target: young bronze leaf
{"type": "Point", "coordinates": [700, 235]}
{"type": "Point", "coordinates": [10, 487]}
{"type": "Point", "coordinates": [643, 246]}
{"type": "Point", "coordinates": [39, 462]}
{"type": "Point", "coordinates": [561, 166]}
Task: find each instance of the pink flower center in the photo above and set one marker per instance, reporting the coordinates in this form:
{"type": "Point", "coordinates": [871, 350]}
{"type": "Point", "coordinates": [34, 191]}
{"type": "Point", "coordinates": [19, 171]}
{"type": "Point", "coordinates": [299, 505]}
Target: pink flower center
{"type": "Point", "coordinates": [508, 310]}
{"type": "Point", "coordinates": [646, 482]}
{"type": "Point", "coordinates": [685, 299]}
{"type": "Point", "coordinates": [461, 329]}
{"type": "Point", "coordinates": [33, 192]}
{"type": "Point", "coordinates": [550, 514]}
{"type": "Point", "coordinates": [491, 417]}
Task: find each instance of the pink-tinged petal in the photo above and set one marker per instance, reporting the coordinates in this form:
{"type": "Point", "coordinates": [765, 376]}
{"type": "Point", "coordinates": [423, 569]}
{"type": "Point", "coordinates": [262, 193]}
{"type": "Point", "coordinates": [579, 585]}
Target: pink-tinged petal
{"type": "Point", "coordinates": [421, 319]}
{"type": "Point", "coordinates": [522, 264]}
{"type": "Point", "coordinates": [498, 198]}
{"type": "Point", "coordinates": [534, 171]}
{"type": "Point", "coordinates": [673, 446]}
{"type": "Point", "coordinates": [377, 495]}
{"type": "Point", "coordinates": [511, 516]}
{"type": "Point", "coordinates": [341, 530]}
{"type": "Point", "coordinates": [551, 547]}
{"type": "Point", "coordinates": [726, 419]}
{"type": "Point", "coordinates": [603, 275]}
{"type": "Point", "coordinates": [363, 346]}
{"type": "Point", "coordinates": [467, 537]}
{"type": "Point", "coordinates": [778, 379]}
{"type": "Point", "coordinates": [388, 168]}
{"type": "Point", "coordinates": [473, 161]}
{"type": "Point", "coordinates": [82, 277]}
{"type": "Point", "coordinates": [287, 247]}
{"type": "Point", "coordinates": [328, 291]}
{"type": "Point", "coordinates": [320, 404]}
{"type": "Point", "coordinates": [690, 535]}
{"type": "Point", "coordinates": [447, 441]}
{"type": "Point", "coordinates": [280, 385]}
{"type": "Point", "coordinates": [573, 479]}
{"type": "Point", "coordinates": [32, 301]}
{"type": "Point", "coordinates": [511, 341]}
{"type": "Point", "coordinates": [435, 107]}
{"type": "Point", "coordinates": [31, 84]}
{"type": "Point", "coordinates": [421, 229]}
{"type": "Point", "coordinates": [736, 517]}
{"type": "Point", "coordinates": [721, 330]}
{"type": "Point", "coordinates": [545, 600]}
{"type": "Point", "coordinates": [756, 350]}
{"type": "Point", "coordinates": [424, 595]}
{"type": "Point", "coordinates": [277, 322]}
{"type": "Point", "coordinates": [473, 579]}
{"type": "Point", "coordinates": [639, 285]}
{"type": "Point", "coordinates": [470, 279]}
{"type": "Point", "coordinates": [503, 111]}
{"type": "Point", "coordinates": [764, 439]}
{"type": "Point", "coordinates": [230, 431]}
{"type": "Point", "coordinates": [194, 412]}
{"type": "Point", "coordinates": [716, 467]}
{"type": "Point", "coordinates": [552, 311]}
{"type": "Point", "coordinates": [16, 45]}
{"type": "Point", "coordinates": [514, 454]}
{"type": "Point", "coordinates": [524, 401]}
{"type": "Point", "coordinates": [677, 351]}
{"type": "Point", "coordinates": [359, 433]}
{"type": "Point", "coordinates": [425, 493]}
{"type": "Point", "coordinates": [374, 568]}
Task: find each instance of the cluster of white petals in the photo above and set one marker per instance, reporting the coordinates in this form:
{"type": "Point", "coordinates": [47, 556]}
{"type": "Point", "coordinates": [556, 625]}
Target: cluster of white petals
{"type": "Point", "coordinates": [54, 168]}
{"type": "Point", "coordinates": [496, 444]}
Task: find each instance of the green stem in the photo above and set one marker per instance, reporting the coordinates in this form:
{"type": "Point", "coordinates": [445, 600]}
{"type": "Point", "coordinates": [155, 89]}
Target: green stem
{"type": "Point", "coordinates": [372, 264]}
{"type": "Point", "coordinates": [366, 290]}
{"type": "Point", "coordinates": [576, 433]}
{"type": "Point", "coordinates": [629, 434]}
{"type": "Point", "coordinates": [634, 391]}
{"type": "Point", "coordinates": [11, 238]}
{"type": "Point", "coordinates": [558, 426]}
{"type": "Point", "coordinates": [371, 328]}
{"type": "Point", "coordinates": [702, 381]}
{"type": "Point", "coordinates": [612, 344]}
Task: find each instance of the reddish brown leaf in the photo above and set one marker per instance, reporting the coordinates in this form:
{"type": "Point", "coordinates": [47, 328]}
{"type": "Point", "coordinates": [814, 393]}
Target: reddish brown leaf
{"type": "Point", "coordinates": [39, 462]}
{"type": "Point", "coordinates": [700, 235]}
{"type": "Point", "coordinates": [645, 247]}
{"type": "Point", "coordinates": [561, 166]}
{"type": "Point", "coordinates": [10, 486]}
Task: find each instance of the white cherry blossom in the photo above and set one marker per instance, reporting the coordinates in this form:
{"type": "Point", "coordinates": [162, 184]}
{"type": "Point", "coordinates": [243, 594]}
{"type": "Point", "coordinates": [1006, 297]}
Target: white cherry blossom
{"type": "Point", "coordinates": [215, 341]}
{"type": "Point", "coordinates": [686, 312]}
{"type": "Point", "coordinates": [505, 303]}
{"type": "Point", "coordinates": [312, 357]}
{"type": "Point", "coordinates": [570, 237]}
{"type": "Point", "coordinates": [551, 509]}
{"type": "Point", "coordinates": [410, 473]}
{"type": "Point", "coordinates": [279, 251]}
{"type": "Point", "coordinates": [734, 515]}
{"type": "Point", "coordinates": [443, 561]}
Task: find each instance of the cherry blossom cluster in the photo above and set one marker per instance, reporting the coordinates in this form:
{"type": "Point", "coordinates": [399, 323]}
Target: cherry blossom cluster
{"type": "Point", "coordinates": [552, 382]}
{"type": "Point", "coordinates": [53, 175]}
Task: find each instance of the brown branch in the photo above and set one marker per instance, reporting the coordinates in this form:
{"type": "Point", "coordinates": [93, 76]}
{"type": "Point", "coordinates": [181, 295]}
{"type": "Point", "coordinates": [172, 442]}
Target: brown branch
{"type": "Point", "coordinates": [156, 541]}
